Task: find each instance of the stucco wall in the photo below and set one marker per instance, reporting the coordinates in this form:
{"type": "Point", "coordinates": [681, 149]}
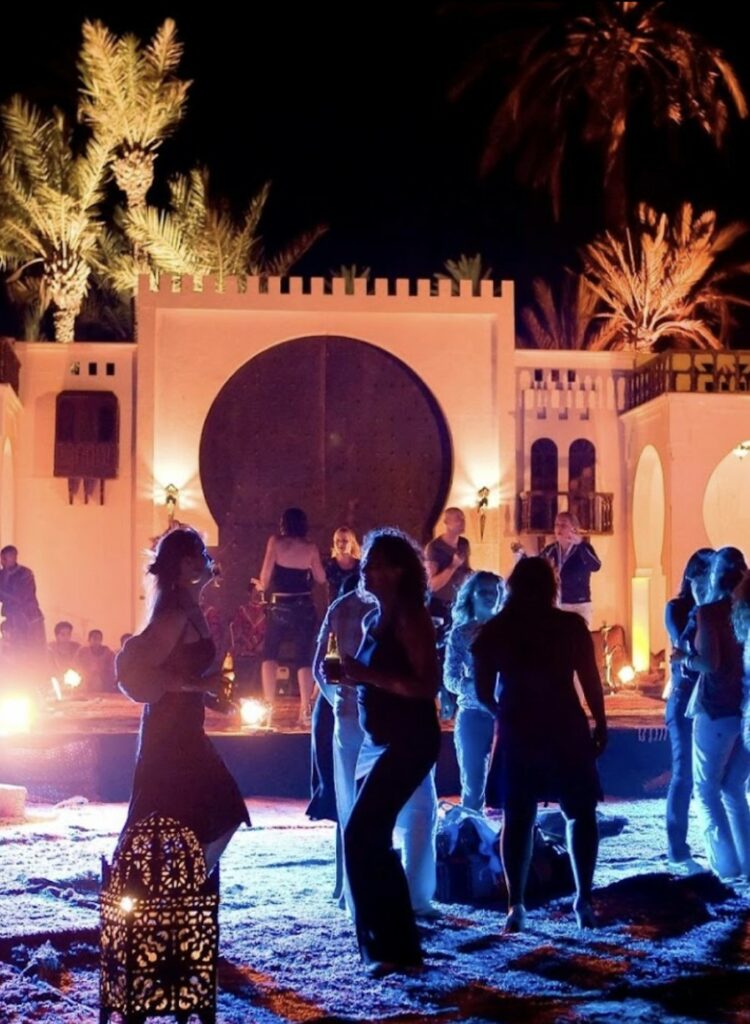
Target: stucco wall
{"type": "Point", "coordinates": [460, 346]}
{"type": "Point", "coordinates": [80, 553]}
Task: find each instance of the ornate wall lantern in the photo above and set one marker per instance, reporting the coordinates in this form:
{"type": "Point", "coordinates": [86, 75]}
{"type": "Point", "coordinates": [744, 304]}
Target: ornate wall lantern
{"type": "Point", "coordinates": [159, 926]}
{"type": "Point", "coordinates": [483, 503]}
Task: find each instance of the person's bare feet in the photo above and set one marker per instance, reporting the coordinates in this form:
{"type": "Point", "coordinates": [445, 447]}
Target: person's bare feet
{"type": "Point", "coordinates": [584, 912]}
{"type": "Point", "coordinates": [516, 920]}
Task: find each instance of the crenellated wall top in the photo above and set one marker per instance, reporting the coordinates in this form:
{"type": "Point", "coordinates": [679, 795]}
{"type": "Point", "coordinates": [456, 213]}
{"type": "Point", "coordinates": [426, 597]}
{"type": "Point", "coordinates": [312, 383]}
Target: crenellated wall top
{"type": "Point", "coordinates": [377, 294]}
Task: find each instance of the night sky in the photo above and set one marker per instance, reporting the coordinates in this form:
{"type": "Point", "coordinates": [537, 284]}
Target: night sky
{"type": "Point", "coordinates": [346, 109]}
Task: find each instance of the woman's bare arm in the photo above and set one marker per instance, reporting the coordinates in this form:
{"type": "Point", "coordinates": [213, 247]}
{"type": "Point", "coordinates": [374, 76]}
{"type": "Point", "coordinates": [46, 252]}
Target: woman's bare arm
{"type": "Point", "coordinates": [591, 684]}
{"type": "Point", "coordinates": [269, 560]}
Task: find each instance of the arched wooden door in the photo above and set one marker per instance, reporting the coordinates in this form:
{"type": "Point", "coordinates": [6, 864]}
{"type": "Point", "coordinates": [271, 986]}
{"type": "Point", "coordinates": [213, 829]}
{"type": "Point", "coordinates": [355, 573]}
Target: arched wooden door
{"type": "Point", "coordinates": [333, 425]}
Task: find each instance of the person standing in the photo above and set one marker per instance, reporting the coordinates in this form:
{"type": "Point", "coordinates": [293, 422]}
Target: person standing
{"type": "Point", "coordinates": [19, 602]}
{"type": "Point", "coordinates": [721, 764]}
{"type": "Point", "coordinates": [680, 621]}
{"type": "Point", "coordinates": [344, 620]}
{"type": "Point", "coordinates": [478, 600]}
{"type": "Point", "coordinates": [447, 559]}
{"type": "Point", "coordinates": [526, 659]}
{"type": "Point", "coordinates": [575, 560]}
{"type": "Point", "coordinates": [290, 567]}
{"type": "Point", "coordinates": [343, 563]}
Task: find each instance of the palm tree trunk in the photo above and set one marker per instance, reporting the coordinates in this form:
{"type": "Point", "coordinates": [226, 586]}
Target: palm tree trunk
{"type": "Point", "coordinates": [64, 321]}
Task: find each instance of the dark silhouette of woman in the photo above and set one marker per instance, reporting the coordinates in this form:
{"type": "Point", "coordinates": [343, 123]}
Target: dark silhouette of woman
{"type": "Point", "coordinates": [178, 773]}
{"type": "Point", "coordinates": [525, 661]}
{"type": "Point", "coordinates": [397, 670]}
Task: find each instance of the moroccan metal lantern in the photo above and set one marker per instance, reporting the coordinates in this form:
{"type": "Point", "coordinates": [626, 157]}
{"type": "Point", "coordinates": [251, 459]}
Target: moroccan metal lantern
{"type": "Point", "coordinates": [159, 926]}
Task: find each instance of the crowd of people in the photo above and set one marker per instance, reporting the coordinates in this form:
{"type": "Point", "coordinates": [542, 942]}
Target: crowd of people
{"type": "Point", "coordinates": [402, 623]}
{"type": "Point", "coordinates": [393, 608]}
{"type": "Point", "coordinates": [708, 623]}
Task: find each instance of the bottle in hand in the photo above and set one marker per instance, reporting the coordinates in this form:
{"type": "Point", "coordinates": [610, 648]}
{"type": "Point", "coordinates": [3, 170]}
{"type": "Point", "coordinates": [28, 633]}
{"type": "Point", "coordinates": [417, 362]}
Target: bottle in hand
{"type": "Point", "coordinates": [332, 666]}
{"type": "Point", "coordinates": [225, 697]}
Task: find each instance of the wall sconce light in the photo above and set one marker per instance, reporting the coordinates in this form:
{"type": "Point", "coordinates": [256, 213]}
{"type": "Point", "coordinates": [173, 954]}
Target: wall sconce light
{"type": "Point", "coordinates": [742, 450]}
{"type": "Point", "coordinates": [171, 494]}
{"type": "Point", "coordinates": [483, 502]}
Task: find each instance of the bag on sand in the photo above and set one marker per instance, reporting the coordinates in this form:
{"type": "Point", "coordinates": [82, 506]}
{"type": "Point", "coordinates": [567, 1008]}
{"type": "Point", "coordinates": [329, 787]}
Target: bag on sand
{"type": "Point", "coordinates": [469, 868]}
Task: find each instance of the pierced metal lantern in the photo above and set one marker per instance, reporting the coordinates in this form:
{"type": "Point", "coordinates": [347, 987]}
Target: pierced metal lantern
{"type": "Point", "coordinates": [159, 926]}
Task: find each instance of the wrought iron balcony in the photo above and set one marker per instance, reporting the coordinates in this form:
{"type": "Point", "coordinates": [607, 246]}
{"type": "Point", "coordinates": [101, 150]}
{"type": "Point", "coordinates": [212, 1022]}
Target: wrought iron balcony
{"type": "Point", "coordinates": [9, 364]}
{"type": "Point", "coordinates": [536, 510]}
{"type": "Point", "coordinates": [686, 372]}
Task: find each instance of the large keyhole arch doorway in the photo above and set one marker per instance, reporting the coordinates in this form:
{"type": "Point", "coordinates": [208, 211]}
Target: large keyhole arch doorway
{"type": "Point", "coordinates": [334, 425]}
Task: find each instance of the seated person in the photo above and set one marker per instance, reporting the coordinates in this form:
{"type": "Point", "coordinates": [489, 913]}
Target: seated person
{"type": "Point", "coordinates": [96, 664]}
{"type": "Point", "coordinates": [63, 650]}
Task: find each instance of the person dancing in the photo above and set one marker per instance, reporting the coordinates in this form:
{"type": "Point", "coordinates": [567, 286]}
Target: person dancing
{"type": "Point", "coordinates": [178, 773]}
{"type": "Point", "coordinates": [398, 677]}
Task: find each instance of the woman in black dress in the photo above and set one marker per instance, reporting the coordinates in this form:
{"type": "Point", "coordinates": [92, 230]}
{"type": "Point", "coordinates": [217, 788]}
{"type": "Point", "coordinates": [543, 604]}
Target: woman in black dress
{"type": "Point", "coordinates": [398, 675]}
{"type": "Point", "coordinates": [178, 773]}
{"type": "Point", "coordinates": [531, 652]}
{"type": "Point", "coordinates": [291, 566]}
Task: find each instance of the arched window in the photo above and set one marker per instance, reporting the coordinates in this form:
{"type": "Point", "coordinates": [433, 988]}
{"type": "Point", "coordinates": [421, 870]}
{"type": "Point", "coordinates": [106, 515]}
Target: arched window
{"type": "Point", "coordinates": [544, 485]}
{"type": "Point", "coordinates": [582, 481]}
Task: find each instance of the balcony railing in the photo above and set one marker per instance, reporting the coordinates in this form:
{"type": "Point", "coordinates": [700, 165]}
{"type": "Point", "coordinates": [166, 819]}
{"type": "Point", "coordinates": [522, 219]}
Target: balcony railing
{"type": "Point", "coordinates": [684, 372]}
{"type": "Point", "coordinates": [9, 364]}
{"type": "Point", "coordinates": [536, 510]}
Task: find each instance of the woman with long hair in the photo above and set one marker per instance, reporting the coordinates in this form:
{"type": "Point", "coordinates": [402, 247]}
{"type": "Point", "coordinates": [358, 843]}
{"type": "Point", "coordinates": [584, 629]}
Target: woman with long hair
{"type": "Point", "coordinates": [398, 676]}
{"type": "Point", "coordinates": [741, 623]}
{"type": "Point", "coordinates": [721, 764]}
{"type": "Point", "coordinates": [478, 599]}
{"type": "Point", "coordinates": [290, 568]}
{"type": "Point", "coordinates": [526, 659]}
{"type": "Point", "coordinates": [343, 561]}
{"type": "Point", "coordinates": [680, 620]}
{"type": "Point", "coordinates": [178, 773]}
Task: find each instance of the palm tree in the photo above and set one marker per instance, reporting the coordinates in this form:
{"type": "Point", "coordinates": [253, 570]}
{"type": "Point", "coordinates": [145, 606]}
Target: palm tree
{"type": "Point", "coordinates": [131, 92]}
{"type": "Point", "coordinates": [465, 268]}
{"type": "Point", "coordinates": [580, 75]}
{"type": "Point", "coordinates": [350, 273]}
{"type": "Point", "coordinates": [201, 237]}
{"type": "Point", "coordinates": [49, 207]}
{"type": "Point", "coordinates": [665, 283]}
{"type": "Point", "coordinates": [562, 321]}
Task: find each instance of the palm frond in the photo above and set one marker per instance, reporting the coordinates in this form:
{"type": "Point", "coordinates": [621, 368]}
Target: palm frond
{"type": "Point", "coordinates": [666, 282]}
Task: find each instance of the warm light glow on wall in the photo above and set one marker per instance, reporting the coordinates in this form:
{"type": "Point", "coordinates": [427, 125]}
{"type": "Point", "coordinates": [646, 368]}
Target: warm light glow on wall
{"type": "Point", "coordinates": [181, 475]}
{"type": "Point", "coordinates": [726, 503]}
{"type": "Point", "coordinates": [640, 622]}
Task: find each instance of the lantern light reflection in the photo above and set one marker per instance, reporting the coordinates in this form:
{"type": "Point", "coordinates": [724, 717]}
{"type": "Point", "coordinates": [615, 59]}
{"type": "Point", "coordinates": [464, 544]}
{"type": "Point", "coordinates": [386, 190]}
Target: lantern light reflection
{"type": "Point", "coordinates": [15, 715]}
{"type": "Point", "coordinates": [253, 713]}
